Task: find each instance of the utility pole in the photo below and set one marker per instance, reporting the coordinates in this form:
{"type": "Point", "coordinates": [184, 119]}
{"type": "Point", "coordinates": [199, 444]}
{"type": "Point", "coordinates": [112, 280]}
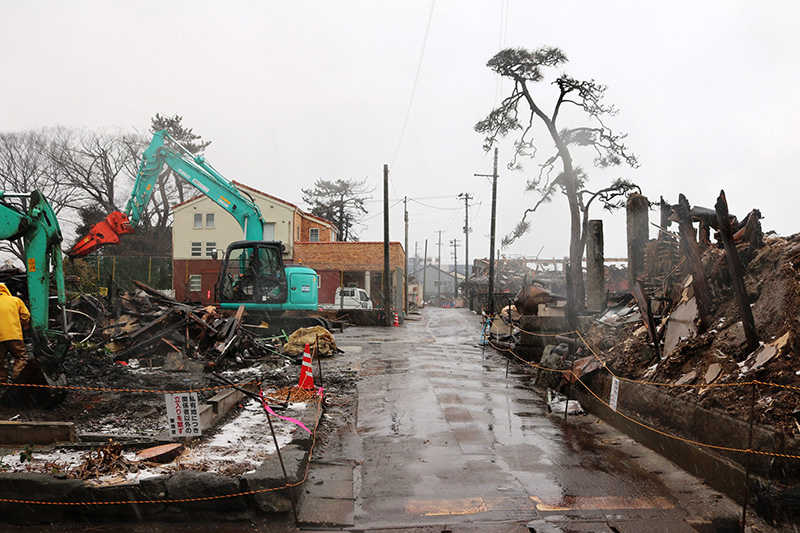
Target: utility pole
{"type": "Point", "coordinates": [492, 231]}
{"type": "Point", "coordinates": [467, 197]}
{"type": "Point", "coordinates": [424, 272]}
{"type": "Point", "coordinates": [405, 253]}
{"type": "Point", "coordinates": [387, 290]}
{"type": "Point", "coordinates": [439, 273]}
{"type": "Point", "coordinates": [454, 243]}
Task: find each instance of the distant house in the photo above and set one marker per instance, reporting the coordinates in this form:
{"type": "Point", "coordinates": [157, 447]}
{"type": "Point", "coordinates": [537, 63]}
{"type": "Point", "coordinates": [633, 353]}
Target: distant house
{"type": "Point", "coordinates": [438, 283]}
{"type": "Point", "coordinates": [200, 227]}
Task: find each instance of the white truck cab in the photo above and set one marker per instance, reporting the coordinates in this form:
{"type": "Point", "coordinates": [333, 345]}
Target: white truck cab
{"type": "Point", "coordinates": [350, 298]}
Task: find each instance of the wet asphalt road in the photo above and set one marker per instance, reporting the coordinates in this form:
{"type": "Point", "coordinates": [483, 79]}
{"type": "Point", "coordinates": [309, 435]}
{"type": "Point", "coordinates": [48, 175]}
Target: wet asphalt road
{"type": "Point", "coordinates": [444, 441]}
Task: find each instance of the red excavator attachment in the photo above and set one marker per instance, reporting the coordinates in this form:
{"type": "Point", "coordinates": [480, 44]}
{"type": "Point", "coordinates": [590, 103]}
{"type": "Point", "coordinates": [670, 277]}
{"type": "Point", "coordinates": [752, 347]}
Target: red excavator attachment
{"type": "Point", "coordinates": [102, 233]}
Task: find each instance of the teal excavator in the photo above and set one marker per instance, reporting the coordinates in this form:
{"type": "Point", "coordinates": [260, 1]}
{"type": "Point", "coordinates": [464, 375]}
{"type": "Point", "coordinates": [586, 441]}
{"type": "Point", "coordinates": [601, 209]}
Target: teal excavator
{"type": "Point", "coordinates": [252, 273]}
{"type": "Point", "coordinates": [29, 216]}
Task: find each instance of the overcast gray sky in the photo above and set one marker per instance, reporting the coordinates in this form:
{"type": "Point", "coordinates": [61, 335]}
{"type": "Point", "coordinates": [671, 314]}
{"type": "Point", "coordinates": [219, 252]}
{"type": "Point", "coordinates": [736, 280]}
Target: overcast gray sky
{"type": "Point", "coordinates": [289, 92]}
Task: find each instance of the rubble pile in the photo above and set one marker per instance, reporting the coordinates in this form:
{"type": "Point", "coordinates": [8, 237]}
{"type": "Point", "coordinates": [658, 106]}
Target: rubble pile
{"type": "Point", "coordinates": [14, 278]}
{"type": "Point", "coordinates": [509, 274]}
{"type": "Point", "coordinates": [719, 354]}
{"type": "Point", "coordinates": [128, 350]}
{"type": "Point", "coordinates": [158, 331]}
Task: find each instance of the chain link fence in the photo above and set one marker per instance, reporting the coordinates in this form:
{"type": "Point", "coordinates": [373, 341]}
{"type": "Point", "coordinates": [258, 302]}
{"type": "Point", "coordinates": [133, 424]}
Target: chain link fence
{"type": "Point", "coordinates": [98, 273]}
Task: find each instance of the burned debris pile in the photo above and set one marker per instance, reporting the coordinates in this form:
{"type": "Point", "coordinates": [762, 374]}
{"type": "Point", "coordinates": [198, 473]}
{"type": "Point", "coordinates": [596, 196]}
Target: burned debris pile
{"type": "Point", "coordinates": [510, 275]}
{"type": "Point", "coordinates": [128, 351]}
{"type": "Point", "coordinates": [706, 329]}
{"type": "Point", "coordinates": [153, 330]}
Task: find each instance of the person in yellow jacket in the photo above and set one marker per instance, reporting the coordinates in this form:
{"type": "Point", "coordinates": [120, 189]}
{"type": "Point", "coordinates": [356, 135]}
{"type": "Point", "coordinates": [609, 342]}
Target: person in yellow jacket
{"type": "Point", "coordinates": [13, 317]}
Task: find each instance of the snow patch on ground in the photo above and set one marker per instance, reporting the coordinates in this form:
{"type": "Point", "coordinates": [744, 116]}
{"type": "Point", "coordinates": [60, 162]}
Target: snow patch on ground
{"type": "Point", "coordinates": [240, 445]}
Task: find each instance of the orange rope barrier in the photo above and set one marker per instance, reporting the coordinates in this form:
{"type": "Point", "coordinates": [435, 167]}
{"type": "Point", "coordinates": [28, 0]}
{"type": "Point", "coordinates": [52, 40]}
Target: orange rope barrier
{"type": "Point", "coordinates": [642, 424]}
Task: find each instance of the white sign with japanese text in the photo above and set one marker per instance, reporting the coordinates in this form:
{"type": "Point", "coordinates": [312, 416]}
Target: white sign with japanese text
{"type": "Point", "coordinates": [612, 401]}
{"type": "Point", "coordinates": [183, 414]}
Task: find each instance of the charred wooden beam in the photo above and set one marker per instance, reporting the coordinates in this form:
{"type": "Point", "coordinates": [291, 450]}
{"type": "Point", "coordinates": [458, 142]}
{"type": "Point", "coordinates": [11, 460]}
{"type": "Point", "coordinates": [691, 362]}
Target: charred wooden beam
{"type": "Point", "coordinates": [232, 340]}
{"type": "Point", "coordinates": [647, 315]}
{"type": "Point", "coordinates": [147, 327]}
{"type": "Point", "coordinates": [147, 345]}
{"type": "Point", "coordinates": [154, 292]}
{"type": "Point", "coordinates": [737, 272]}
{"type": "Point", "coordinates": [692, 250]}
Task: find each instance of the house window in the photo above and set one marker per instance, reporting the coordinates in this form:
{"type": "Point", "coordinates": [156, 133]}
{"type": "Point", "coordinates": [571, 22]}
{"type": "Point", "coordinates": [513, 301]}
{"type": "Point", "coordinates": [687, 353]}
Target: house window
{"type": "Point", "coordinates": [209, 220]}
{"type": "Point", "coordinates": [210, 247]}
{"type": "Point", "coordinates": [313, 234]}
{"type": "Point", "coordinates": [269, 231]}
{"type": "Point", "coordinates": [198, 220]}
{"type": "Point", "coordinates": [195, 283]}
{"type": "Point", "coordinates": [197, 249]}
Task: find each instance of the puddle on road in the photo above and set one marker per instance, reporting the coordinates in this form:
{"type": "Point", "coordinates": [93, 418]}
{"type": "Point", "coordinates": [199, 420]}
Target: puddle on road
{"type": "Point", "coordinates": [351, 348]}
{"type": "Point", "coordinates": [529, 401]}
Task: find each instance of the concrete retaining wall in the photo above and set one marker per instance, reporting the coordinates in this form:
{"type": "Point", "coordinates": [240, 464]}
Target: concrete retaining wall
{"type": "Point", "coordinates": [774, 494]}
{"type": "Point", "coordinates": [19, 433]}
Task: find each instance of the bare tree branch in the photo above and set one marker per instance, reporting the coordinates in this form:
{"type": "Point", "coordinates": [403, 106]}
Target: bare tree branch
{"type": "Point", "coordinates": [526, 67]}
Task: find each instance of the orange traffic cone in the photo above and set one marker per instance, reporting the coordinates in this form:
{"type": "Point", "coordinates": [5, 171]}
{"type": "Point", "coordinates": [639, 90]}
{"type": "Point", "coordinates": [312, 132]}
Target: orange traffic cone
{"type": "Point", "coordinates": [306, 371]}
{"type": "Point", "coordinates": [396, 322]}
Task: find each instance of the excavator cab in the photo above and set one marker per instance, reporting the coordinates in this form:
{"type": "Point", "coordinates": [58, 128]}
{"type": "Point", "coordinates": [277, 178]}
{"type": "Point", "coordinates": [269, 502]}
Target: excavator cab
{"type": "Point", "coordinates": [252, 272]}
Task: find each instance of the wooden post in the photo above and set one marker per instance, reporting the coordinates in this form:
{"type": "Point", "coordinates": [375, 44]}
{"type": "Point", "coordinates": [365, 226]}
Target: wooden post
{"type": "Point", "coordinates": [319, 362]}
{"type": "Point", "coordinates": [595, 271]}
{"type": "Point", "coordinates": [748, 459]}
{"type": "Point", "coordinates": [492, 235]}
{"type": "Point", "coordinates": [387, 290]}
{"type": "Point", "coordinates": [424, 273]}
{"type": "Point", "coordinates": [737, 272]}
{"type": "Point", "coordinates": [638, 234]}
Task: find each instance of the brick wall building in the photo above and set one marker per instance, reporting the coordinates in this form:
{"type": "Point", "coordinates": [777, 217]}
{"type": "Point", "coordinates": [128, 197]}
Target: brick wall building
{"type": "Point", "coordinates": [353, 264]}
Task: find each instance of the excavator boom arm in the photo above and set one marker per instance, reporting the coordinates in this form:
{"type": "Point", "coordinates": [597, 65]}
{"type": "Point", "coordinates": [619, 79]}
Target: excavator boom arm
{"type": "Point", "coordinates": [41, 234]}
{"type": "Point", "coordinates": [196, 171]}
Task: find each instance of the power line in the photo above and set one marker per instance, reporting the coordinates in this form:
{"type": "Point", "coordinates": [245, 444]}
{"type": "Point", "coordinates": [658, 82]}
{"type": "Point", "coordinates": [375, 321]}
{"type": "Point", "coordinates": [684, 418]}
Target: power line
{"type": "Point", "coordinates": [380, 213]}
{"type": "Point", "coordinates": [417, 198]}
{"type": "Point", "coordinates": [434, 207]}
{"type": "Point", "coordinates": [416, 80]}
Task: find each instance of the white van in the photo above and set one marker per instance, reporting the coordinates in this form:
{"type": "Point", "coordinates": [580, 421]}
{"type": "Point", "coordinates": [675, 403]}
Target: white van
{"type": "Point", "coordinates": [349, 298]}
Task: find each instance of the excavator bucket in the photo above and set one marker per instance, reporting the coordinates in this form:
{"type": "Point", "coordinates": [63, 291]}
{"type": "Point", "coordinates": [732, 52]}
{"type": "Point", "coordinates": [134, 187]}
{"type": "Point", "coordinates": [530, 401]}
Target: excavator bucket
{"type": "Point", "coordinates": [102, 233]}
